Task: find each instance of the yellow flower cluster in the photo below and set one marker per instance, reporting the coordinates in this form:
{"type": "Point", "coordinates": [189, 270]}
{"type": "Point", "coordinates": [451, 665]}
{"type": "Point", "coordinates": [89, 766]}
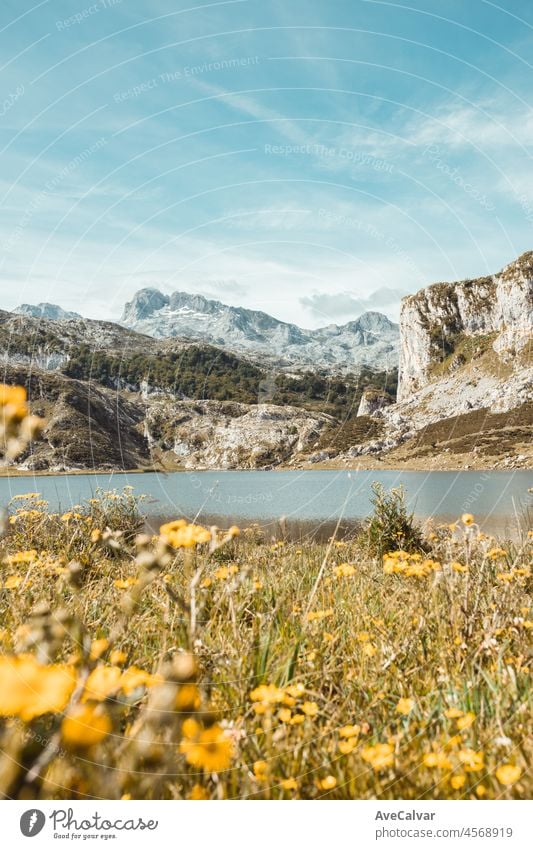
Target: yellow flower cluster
{"type": "Point", "coordinates": [318, 615]}
{"type": "Point", "coordinates": [104, 681]}
{"type": "Point", "coordinates": [410, 565]}
{"type": "Point", "coordinates": [210, 749]}
{"type": "Point", "coordinates": [13, 401]}
{"type": "Point", "coordinates": [380, 756]}
{"type": "Point", "coordinates": [344, 570]}
{"type": "Point", "coordinates": [29, 689]}
{"type": "Point", "coordinates": [181, 534]}
{"type": "Point", "coordinates": [508, 774]}
{"type": "Point", "coordinates": [21, 557]}
{"type": "Point", "coordinates": [349, 737]}
{"type": "Point", "coordinates": [225, 572]}
{"type": "Point", "coordinates": [513, 574]}
{"type": "Point", "coordinates": [295, 709]}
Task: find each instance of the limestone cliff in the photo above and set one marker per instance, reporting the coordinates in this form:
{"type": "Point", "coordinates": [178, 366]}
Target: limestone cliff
{"type": "Point", "coordinates": [446, 323]}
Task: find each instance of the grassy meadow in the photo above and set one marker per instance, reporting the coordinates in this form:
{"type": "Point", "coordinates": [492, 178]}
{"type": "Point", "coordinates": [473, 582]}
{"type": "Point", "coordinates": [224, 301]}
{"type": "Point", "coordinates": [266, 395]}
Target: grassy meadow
{"type": "Point", "coordinates": [215, 664]}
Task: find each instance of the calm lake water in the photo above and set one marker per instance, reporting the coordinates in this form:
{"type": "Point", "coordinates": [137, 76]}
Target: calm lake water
{"type": "Point", "coordinates": [499, 500]}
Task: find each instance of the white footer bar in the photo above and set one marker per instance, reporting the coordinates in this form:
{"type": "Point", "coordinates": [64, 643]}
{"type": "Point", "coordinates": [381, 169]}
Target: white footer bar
{"type": "Point", "coordinates": [268, 825]}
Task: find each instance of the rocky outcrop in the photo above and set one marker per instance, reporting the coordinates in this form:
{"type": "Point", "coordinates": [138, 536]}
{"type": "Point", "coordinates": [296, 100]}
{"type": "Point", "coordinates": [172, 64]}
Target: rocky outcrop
{"type": "Point", "coordinates": [228, 435]}
{"type": "Point", "coordinates": [94, 427]}
{"type": "Point", "coordinates": [440, 324]}
{"type": "Point", "coordinates": [373, 401]}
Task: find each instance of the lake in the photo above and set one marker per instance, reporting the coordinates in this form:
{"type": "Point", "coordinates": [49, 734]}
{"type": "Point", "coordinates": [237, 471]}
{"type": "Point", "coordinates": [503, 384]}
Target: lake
{"type": "Point", "coordinates": [499, 500]}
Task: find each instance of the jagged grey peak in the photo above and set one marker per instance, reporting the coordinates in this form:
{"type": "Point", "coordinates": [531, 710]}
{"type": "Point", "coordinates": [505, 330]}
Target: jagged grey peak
{"type": "Point", "coordinates": [370, 340]}
{"type": "Point", "coordinates": [45, 310]}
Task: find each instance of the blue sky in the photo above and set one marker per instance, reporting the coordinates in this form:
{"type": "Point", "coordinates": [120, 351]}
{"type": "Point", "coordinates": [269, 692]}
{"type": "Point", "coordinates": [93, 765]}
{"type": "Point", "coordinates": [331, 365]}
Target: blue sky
{"type": "Point", "coordinates": [308, 158]}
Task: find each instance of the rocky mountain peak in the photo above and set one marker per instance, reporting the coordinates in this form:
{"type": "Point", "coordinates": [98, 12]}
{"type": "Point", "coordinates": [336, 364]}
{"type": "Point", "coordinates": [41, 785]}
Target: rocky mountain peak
{"type": "Point", "coordinates": [375, 322]}
{"type": "Point", "coordinates": [145, 302]}
{"type": "Point", "coordinates": [45, 310]}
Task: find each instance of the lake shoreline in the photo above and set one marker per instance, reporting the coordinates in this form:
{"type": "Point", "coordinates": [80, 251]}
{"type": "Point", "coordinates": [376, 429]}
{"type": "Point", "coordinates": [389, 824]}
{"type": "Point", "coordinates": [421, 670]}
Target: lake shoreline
{"type": "Point", "coordinates": [474, 464]}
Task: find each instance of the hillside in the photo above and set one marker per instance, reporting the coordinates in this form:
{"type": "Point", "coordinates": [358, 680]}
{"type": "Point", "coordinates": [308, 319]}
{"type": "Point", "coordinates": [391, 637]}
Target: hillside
{"type": "Point", "coordinates": [116, 399]}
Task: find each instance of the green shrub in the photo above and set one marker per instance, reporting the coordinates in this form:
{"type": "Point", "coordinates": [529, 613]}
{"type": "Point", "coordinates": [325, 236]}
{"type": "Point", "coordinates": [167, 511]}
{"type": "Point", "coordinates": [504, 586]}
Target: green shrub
{"type": "Point", "coordinates": [390, 527]}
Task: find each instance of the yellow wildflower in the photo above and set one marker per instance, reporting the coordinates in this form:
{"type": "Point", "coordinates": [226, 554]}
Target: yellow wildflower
{"type": "Point", "coordinates": [84, 726]}
{"type": "Point", "coordinates": [508, 774]}
{"type": "Point", "coordinates": [467, 519]}
{"type": "Point", "coordinates": [316, 615]}
{"type": "Point", "coordinates": [347, 746]}
{"type": "Point", "coordinates": [457, 781]}
{"type": "Point", "coordinates": [379, 756]}
{"type": "Point", "coordinates": [466, 721]}
{"type": "Point", "coordinates": [188, 698]}
{"type": "Point", "coordinates": [260, 769]}
{"type": "Point", "coordinates": [133, 677]}
{"type": "Point", "coordinates": [267, 694]}
{"type": "Point", "coordinates": [98, 647]}
{"type": "Point", "coordinates": [13, 401]}
{"type": "Point", "coordinates": [102, 682]}
{"type": "Point", "coordinates": [295, 690]}
{"type": "Point", "coordinates": [21, 557]}
{"type": "Point", "coordinates": [405, 706]}
{"type": "Point", "coordinates": [344, 570]}
{"type": "Point", "coordinates": [471, 760]}
{"type": "Point", "coordinates": [348, 731]}
{"type": "Point", "coordinates": [327, 783]}
{"type": "Point", "coordinates": [125, 583]}
{"type": "Point", "coordinates": [209, 749]}
{"type": "Point", "coordinates": [198, 793]}
{"type": "Point", "coordinates": [437, 760]}
{"type": "Point", "coordinates": [453, 713]}
{"type": "Point", "coordinates": [29, 689]}
{"type": "Point", "coordinates": [13, 582]}
{"type": "Point", "coordinates": [180, 534]}
{"type": "Point", "coordinates": [289, 784]}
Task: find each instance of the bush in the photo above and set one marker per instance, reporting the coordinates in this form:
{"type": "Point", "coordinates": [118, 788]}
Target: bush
{"type": "Point", "coordinates": [390, 527]}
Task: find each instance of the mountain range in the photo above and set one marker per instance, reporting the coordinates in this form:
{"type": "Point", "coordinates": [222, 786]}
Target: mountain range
{"type": "Point", "coordinates": [372, 340]}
